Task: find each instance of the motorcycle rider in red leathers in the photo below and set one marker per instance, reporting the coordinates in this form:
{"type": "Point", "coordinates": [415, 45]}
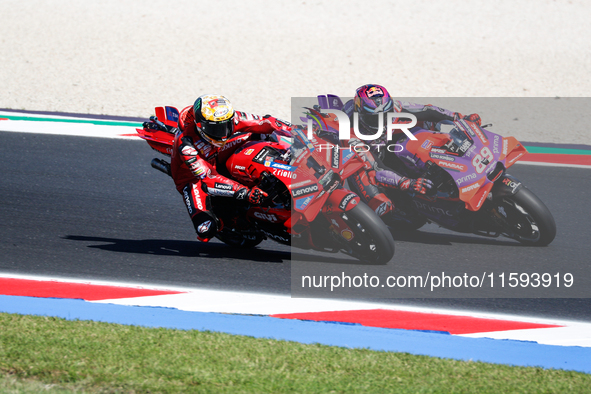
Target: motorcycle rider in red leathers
{"type": "Point", "coordinates": [209, 132]}
{"type": "Point", "coordinates": [368, 102]}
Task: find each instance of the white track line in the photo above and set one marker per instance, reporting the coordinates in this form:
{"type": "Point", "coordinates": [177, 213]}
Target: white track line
{"type": "Point", "coordinates": [119, 132]}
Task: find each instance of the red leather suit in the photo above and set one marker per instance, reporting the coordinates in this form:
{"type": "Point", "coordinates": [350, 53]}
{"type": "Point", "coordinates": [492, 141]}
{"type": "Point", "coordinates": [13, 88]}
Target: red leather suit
{"type": "Point", "coordinates": [194, 162]}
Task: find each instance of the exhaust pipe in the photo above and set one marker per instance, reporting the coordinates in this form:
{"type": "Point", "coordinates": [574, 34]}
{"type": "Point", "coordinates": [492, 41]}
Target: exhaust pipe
{"type": "Point", "coordinates": [161, 165]}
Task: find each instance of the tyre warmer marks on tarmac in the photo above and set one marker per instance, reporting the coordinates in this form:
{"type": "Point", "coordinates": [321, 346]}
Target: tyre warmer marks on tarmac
{"type": "Point", "coordinates": [426, 334]}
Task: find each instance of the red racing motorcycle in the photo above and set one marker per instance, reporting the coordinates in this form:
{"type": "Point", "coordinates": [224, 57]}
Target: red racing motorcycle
{"type": "Point", "coordinates": [307, 206]}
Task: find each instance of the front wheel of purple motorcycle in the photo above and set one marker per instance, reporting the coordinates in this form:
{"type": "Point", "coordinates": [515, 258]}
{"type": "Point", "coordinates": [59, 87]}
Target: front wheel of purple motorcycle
{"type": "Point", "coordinates": [526, 218]}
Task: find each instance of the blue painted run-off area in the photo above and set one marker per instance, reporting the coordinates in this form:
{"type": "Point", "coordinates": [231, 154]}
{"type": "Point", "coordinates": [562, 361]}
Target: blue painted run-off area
{"type": "Point", "coordinates": [351, 336]}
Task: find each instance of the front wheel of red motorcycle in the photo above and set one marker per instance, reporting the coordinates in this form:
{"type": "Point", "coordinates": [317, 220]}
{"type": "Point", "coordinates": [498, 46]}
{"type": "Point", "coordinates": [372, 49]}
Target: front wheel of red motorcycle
{"type": "Point", "coordinates": [372, 242]}
{"type": "Point", "coordinates": [530, 221]}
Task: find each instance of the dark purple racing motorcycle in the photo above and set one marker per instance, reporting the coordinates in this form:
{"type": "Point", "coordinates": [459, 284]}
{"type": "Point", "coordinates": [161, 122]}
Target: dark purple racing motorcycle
{"type": "Point", "coordinates": [472, 192]}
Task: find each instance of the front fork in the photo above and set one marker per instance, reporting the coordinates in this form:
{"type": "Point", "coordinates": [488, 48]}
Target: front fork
{"type": "Point", "coordinates": [506, 186]}
{"type": "Point", "coordinates": [492, 218]}
{"type": "Point", "coordinates": [340, 202]}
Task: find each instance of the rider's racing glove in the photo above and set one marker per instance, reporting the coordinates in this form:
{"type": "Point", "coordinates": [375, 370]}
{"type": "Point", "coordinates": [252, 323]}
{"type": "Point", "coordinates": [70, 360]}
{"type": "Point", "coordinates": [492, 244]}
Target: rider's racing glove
{"type": "Point", "coordinates": [420, 185]}
{"type": "Point", "coordinates": [281, 127]}
{"type": "Point", "coordinates": [475, 118]}
{"type": "Point", "coordinates": [190, 156]}
{"type": "Point", "coordinates": [254, 196]}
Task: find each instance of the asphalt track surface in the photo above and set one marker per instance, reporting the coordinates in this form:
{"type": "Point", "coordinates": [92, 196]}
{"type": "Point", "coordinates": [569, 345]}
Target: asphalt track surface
{"type": "Point", "coordinates": [93, 208]}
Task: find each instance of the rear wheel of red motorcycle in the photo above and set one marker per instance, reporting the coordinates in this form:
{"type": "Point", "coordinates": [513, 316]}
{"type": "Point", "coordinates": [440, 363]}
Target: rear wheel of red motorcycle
{"type": "Point", "coordinates": [530, 221]}
{"type": "Point", "coordinates": [372, 242]}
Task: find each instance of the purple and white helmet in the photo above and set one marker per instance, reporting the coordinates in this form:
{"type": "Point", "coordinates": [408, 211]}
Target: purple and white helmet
{"type": "Point", "coordinates": [369, 101]}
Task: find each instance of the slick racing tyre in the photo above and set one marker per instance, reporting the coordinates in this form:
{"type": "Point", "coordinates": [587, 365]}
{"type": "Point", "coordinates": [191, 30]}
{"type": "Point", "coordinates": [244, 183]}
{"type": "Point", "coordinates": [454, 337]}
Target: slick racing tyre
{"type": "Point", "coordinates": [238, 239]}
{"type": "Point", "coordinates": [372, 242]}
{"type": "Point", "coordinates": [527, 219]}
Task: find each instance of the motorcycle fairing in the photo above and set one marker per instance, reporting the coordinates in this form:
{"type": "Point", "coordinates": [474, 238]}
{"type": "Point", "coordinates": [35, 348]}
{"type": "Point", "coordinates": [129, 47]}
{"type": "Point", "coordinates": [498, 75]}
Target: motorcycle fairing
{"type": "Point", "coordinates": [475, 161]}
{"type": "Point", "coordinates": [269, 215]}
{"type": "Point", "coordinates": [159, 140]}
{"type": "Point", "coordinates": [512, 151]}
{"type": "Point", "coordinates": [442, 211]}
{"type": "Point", "coordinates": [341, 200]}
{"type": "Point", "coordinates": [168, 115]}
{"type": "Point", "coordinates": [312, 173]}
{"type": "Point", "coordinates": [242, 165]}
{"type": "Point", "coordinates": [507, 186]}
{"type": "Point", "coordinates": [330, 101]}
{"type": "Point", "coordinates": [475, 202]}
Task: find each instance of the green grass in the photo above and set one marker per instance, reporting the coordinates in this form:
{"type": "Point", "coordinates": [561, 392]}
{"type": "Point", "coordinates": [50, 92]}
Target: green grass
{"type": "Point", "coordinates": [51, 355]}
